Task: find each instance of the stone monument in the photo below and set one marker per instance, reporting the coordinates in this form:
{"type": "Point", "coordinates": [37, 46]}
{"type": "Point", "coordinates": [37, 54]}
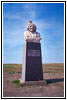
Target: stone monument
{"type": "Point", "coordinates": [32, 59]}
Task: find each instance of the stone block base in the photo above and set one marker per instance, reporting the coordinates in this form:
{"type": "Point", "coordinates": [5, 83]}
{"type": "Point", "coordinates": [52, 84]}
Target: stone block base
{"type": "Point", "coordinates": [28, 83]}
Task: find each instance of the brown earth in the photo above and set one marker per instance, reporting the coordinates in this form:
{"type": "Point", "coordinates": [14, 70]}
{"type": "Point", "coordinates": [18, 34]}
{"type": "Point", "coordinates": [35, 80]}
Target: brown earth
{"type": "Point", "coordinates": [53, 74]}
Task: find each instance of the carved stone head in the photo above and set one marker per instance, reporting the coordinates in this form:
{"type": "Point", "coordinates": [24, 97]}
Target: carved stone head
{"type": "Point", "coordinates": [31, 27]}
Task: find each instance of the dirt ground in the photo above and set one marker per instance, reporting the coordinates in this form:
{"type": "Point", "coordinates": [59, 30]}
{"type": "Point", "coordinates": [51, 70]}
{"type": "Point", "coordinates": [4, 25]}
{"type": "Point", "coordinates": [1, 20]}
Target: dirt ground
{"type": "Point", "coordinates": [53, 88]}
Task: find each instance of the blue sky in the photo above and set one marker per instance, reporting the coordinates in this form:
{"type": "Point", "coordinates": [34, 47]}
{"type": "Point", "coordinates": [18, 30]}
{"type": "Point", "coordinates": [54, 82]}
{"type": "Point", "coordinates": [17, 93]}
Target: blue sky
{"type": "Point", "coordinates": [49, 19]}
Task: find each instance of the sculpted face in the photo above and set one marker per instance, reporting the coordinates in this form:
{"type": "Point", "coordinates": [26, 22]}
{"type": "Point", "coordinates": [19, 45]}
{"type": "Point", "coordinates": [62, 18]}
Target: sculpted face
{"type": "Point", "coordinates": [31, 35]}
{"type": "Point", "coordinates": [32, 27]}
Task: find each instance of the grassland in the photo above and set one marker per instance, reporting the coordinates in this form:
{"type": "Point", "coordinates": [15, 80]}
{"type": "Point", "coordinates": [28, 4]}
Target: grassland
{"type": "Point", "coordinates": [53, 73]}
{"type": "Point", "coordinates": [47, 68]}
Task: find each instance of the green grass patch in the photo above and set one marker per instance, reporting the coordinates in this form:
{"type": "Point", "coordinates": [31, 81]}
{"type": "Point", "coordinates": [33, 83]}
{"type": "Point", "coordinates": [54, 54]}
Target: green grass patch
{"type": "Point", "coordinates": [12, 65]}
{"type": "Point", "coordinates": [18, 72]}
{"type": "Point", "coordinates": [17, 82]}
{"type": "Point", "coordinates": [7, 66]}
{"type": "Point", "coordinates": [11, 72]}
{"type": "Point", "coordinates": [53, 72]}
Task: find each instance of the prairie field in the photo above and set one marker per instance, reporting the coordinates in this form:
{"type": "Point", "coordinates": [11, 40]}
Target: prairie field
{"type": "Point", "coordinates": [53, 74]}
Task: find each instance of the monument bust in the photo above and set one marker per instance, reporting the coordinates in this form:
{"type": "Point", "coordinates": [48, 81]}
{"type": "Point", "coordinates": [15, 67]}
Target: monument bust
{"type": "Point", "coordinates": [31, 35]}
{"type": "Point", "coordinates": [32, 60]}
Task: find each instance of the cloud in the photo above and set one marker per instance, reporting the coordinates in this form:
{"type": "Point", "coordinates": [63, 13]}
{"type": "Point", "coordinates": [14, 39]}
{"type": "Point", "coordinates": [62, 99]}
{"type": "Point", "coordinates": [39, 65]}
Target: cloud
{"type": "Point", "coordinates": [28, 12]}
{"type": "Point", "coordinates": [42, 24]}
{"type": "Point", "coordinates": [16, 16]}
{"type": "Point", "coordinates": [32, 14]}
{"type": "Point", "coordinates": [29, 6]}
{"type": "Point", "coordinates": [51, 31]}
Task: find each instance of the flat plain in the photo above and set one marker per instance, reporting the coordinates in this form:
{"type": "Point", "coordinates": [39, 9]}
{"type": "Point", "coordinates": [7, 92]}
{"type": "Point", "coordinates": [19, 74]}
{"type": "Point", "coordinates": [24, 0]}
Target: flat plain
{"type": "Point", "coordinates": [53, 74]}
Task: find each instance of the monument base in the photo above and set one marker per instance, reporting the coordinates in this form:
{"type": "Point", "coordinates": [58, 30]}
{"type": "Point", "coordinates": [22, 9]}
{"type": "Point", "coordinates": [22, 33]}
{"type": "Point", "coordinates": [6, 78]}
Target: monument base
{"type": "Point", "coordinates": [42, 82]}
{"type": "Point", "coordinates": [32, 62]}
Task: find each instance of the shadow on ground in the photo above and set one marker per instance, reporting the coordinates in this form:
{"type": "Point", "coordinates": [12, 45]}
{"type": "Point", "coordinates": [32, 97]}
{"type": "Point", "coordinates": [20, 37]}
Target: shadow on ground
{"type": "Point", "coordinates": [54, 80]}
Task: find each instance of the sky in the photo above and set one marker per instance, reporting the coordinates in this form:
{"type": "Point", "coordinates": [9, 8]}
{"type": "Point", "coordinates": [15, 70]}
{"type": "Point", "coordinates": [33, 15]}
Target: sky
{"type": "Point", "coordinates": [49, 19]}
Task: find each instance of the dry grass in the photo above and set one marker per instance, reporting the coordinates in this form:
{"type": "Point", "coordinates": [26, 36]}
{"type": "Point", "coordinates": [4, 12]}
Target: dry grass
{"type": "Point", "coordinates": [47, 68]}
{"type": "Point", "coordinates": [12, 72]}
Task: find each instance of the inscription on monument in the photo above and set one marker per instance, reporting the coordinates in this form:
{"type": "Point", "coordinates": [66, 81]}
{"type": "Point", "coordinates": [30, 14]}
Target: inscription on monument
{"type": "Point", "coordinates": [33, 52]}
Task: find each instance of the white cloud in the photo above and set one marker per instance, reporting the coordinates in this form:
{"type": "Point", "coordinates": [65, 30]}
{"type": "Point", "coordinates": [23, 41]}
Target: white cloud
{"type": "Point", "coordinates": [16, 16]}
{"type": "Point", "coordinates": [29, 6]}
{"type": "Point", "coordinates": [32, 14]}
{"type": "Point", "coordinates": [16, 26]}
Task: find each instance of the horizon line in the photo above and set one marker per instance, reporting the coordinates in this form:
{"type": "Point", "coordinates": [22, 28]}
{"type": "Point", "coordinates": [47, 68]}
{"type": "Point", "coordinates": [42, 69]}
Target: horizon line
{"type": "Point", "coordinates": [42, 63]}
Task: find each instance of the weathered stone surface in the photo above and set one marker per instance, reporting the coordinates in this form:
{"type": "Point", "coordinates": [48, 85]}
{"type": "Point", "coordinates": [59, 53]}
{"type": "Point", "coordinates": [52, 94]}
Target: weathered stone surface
{"type": "Point", "coordinates": [28, 83]}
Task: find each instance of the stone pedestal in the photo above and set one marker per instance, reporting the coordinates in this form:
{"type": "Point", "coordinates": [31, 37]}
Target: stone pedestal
{"type": "Point", "coordinates": [32, 62]}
